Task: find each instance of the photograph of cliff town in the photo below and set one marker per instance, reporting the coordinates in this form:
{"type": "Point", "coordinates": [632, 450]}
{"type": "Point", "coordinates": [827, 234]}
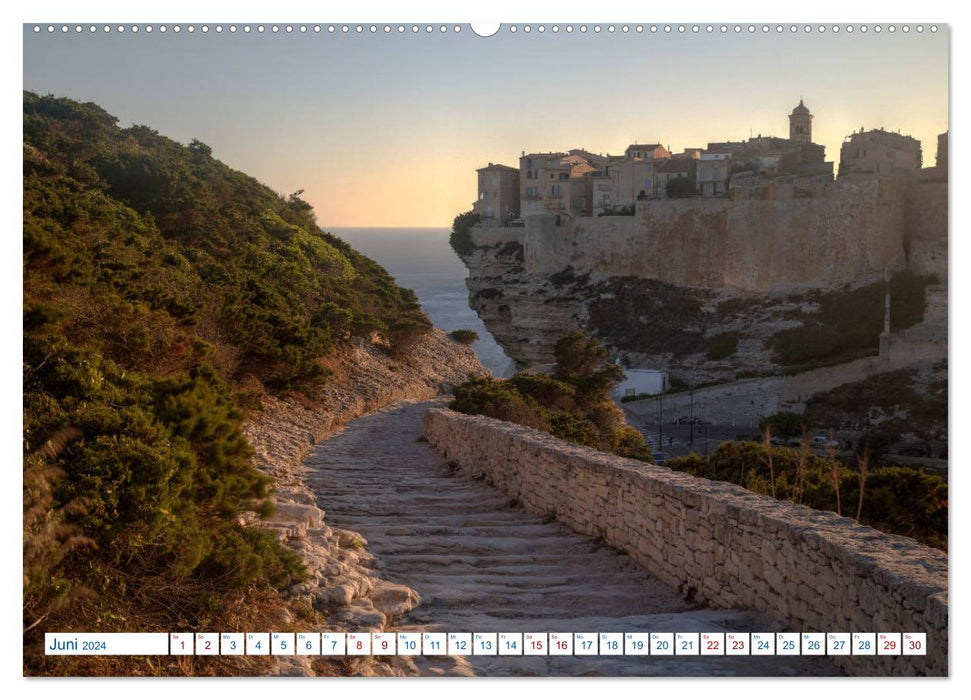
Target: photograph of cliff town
{"type": "Point", "coordinates": [699, 387]}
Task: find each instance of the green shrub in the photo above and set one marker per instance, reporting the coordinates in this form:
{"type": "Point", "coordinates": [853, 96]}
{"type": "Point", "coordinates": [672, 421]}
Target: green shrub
{"type": "Point", "coordinates": [647, 316]}
{"type": "Point", "coordinates": [681, 186]}
{"type": "Point", "coordinates": [162, 243]}
{"type": "Point", "coordinates": [722, 345]}
{"type": "Point", "coordinates": [849, 322]}
{"type": "Point", "coordinates": [785, 424]}
{"type": "Point", "coordinates": [573, 404]}
{"type": "Point", "coordinates": [899, 500]}
{"type": "Point", "coordinates": [461, 237]}
{"type": "Point", "coordinates": [464, 336]}
{"type": "Point", "coordinates": [158, 282]}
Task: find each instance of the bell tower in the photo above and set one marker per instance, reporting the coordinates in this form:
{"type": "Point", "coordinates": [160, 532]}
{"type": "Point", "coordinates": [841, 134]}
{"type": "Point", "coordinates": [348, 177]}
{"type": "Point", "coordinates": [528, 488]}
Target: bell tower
{"type": "Point", "coordinates": [801, 124]}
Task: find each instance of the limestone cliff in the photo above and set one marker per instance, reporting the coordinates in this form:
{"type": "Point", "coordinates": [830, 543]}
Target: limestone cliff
{"type": "Point", "coordinates": [714, 290]}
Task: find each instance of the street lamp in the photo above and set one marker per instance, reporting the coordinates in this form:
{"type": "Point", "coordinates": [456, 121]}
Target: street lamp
{"type": "Point", "coordinates": [660, 420]}
{"type": "Point", "coordinates": [691, 420]}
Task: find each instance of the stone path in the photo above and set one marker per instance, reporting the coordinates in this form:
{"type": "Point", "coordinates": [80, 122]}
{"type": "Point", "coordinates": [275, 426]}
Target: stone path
{"type": "Point", "coordinates": [483, 564]}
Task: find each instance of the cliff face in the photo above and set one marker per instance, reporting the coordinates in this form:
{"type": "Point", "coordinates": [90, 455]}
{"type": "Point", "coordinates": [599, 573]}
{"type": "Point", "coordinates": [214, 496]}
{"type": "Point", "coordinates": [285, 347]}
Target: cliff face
{"type": "Point", "coordinates": [525, 313]}
{"type": "Point", "coordinates": [642, 322]}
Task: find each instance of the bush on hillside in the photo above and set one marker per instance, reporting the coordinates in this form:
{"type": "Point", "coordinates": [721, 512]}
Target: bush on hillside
{"type": "Point", "coordinates": [573, 403]}
{"type": "Point", "coordinates": [461, 237]}
{"type": "Point", "coordinates": [464, 336]}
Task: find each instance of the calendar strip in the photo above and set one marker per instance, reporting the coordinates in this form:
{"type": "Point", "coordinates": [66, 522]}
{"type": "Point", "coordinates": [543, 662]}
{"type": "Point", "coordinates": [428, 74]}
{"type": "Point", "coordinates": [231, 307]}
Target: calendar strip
{"type": "Point", "coordinates": [488, 644]}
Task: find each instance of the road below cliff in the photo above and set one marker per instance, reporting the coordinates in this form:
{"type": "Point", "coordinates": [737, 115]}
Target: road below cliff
{"type": "Point", "coordinates": [481, 563]}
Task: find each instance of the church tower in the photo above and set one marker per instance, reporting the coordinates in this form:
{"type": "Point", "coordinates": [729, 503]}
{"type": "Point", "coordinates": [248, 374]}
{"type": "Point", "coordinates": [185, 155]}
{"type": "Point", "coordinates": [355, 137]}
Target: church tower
{"type": "Point", "coordinates": [801, 124]}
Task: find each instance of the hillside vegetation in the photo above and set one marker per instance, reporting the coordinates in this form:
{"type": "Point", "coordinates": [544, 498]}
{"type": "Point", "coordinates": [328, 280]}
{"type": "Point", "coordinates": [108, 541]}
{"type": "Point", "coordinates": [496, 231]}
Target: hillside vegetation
{"type": "Point", "coordinates": [573, 402]}
{"type": "Point", "coordinates": [900, 500]}
{"type": "Point", "coordinates": [163, 292]}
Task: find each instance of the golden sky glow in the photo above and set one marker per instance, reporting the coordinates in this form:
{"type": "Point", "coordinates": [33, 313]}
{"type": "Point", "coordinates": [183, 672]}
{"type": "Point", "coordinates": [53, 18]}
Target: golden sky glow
{"type": "Point", "coordinates": [388, 130]}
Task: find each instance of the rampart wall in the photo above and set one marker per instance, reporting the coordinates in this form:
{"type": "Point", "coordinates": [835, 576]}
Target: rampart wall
{"type": "Point", "coordinates": [848, 232]}
{"type": "Point", "coordinates": [719, 543]}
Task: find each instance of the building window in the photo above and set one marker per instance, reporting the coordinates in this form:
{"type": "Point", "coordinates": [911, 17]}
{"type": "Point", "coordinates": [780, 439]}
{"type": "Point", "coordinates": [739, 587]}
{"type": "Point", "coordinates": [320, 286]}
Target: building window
{"type": "Point", "coordinates": [555, 190]}
{"type": "Point", "coordinates": [606, 200]}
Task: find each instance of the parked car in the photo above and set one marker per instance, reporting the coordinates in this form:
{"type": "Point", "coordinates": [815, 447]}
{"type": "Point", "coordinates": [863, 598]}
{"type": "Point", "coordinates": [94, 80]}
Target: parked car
{"type": "Point", "coordinates": [659, 457]}
{"type": "Point", "coordinates": [824, 443]}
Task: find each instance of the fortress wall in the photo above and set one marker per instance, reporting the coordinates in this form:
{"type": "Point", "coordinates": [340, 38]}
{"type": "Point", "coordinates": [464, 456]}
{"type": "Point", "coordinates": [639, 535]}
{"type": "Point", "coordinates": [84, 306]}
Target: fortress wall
{"type": "Point", "coordinates": [848, 233]}
{"type": "Point", "coordinates": [926, 210]}
{"type": "Point", "coordinates": [925, 228]}
{"type": "Point", "coordinates": [721, 544]}
{"type": "Point", "coordinates": [494, 235]}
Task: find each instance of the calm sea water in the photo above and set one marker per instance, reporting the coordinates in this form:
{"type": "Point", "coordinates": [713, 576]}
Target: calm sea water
{"type": "Point", "coordinates": [421, 259]}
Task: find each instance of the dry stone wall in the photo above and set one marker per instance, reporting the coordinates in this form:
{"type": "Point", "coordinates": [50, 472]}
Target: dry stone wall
{"type": "Point", "coordinates": [719, 543]}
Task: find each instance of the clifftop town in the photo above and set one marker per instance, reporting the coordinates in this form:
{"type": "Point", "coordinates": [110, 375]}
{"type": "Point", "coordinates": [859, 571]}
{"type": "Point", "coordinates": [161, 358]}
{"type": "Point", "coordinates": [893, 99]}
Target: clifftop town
{"type": "Point", "coordinates": [742, 259]}
{"type": "Point", "coordinates": [580, 183]}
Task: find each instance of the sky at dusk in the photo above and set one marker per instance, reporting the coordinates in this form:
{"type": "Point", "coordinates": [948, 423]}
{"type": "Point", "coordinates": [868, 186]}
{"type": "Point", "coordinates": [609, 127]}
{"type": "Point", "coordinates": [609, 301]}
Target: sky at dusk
{"type": "Point", "coordinates": [387, 130]}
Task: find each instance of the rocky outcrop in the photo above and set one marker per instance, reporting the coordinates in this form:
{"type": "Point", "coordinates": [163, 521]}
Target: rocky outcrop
{"type": "Point", "coordinates": [645, 323]}
{"type": "Point", "coordinates": [344, 582]}
{"type": "Point", "coordinates": [526, 314]}
{"type": "Point", "coordinates": [701, 334]}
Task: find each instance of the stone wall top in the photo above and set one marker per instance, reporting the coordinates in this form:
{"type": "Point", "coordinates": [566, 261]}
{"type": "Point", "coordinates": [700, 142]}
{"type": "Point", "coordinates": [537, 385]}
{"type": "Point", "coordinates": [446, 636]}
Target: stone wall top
{"type": "Point", "coordinates": [811, 570]}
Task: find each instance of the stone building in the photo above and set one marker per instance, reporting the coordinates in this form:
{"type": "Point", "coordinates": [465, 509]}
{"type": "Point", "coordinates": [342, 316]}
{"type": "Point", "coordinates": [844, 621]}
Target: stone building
{"type": "Point", "coordinates": [801, 124]}
{"type": "Point", "coordinates": [772, 155]}
{"type": "Point", "coordinates": [941, 160]}
{"type": "Point", "coordinates": [674, 168]}
{"type": "Point", "coordinates": [557, 183]}
{"type": "Point", "coordinates": [713, 173]}
{"type": "Point", "coordinates": [498, 200]}
{"type": "Point", "coordinates": [650, 151]}
{"type": "Point", "coordinates": [621, 182]}
{"type": "Point", "coordinates": [879, 153]}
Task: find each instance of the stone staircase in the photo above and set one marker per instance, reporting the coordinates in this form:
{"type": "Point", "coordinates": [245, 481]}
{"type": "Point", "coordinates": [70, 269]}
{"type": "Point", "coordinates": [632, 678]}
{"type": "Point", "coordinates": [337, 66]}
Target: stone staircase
{"type": "Point", "coordinates": [482, 564]}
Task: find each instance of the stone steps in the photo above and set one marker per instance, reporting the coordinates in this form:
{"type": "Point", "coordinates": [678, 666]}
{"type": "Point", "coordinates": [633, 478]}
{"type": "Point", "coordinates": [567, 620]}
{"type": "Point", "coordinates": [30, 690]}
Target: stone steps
{"type": "Point", "coordinates": [481, 564]}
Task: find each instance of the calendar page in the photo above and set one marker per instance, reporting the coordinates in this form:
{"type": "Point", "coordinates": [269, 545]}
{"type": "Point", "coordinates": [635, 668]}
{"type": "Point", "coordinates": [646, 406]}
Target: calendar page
{"type": "Point", "coordinates": [437, 348]}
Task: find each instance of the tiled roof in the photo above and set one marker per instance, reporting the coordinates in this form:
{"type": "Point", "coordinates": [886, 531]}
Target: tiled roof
{"type": "Point", "coordinates": [497, 166]}
{"type": "Point", "coordinates": [677, 165]}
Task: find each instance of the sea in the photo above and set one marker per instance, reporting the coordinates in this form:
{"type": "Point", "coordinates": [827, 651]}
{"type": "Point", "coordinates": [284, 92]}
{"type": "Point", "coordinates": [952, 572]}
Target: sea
{"type": "Point", "coordinates": [421, 259]}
